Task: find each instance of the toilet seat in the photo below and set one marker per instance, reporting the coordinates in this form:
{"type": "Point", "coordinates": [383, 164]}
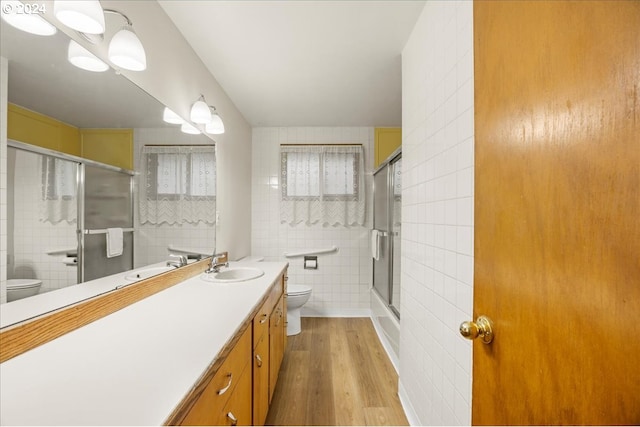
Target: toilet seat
{"type": "Point", "coordinates": [293, 290]}
{"type": "Point", "coordinates": [23, 283]}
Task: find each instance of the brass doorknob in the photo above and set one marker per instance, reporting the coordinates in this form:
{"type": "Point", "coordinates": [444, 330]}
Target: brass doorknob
{"type": "Point", "coordinates": [483, 328]}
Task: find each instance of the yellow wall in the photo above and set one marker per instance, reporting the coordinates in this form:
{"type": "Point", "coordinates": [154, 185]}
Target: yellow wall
{"type": "Point", "coordinates": [34, 128]}
{"type": "Point", "coordinates": [387, 140]}
{"type": "Point", "coordinates": [110, 146]}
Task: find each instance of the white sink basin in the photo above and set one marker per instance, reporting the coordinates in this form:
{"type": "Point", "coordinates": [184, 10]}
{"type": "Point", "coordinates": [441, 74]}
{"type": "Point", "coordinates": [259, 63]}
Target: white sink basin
{"type": "Point", "coordinates": [233, 274]}
{"type": "Point", "coordinates": [145, 273]}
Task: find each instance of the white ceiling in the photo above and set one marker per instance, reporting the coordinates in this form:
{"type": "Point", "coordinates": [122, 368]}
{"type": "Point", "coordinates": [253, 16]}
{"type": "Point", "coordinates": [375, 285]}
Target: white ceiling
{"type": "Point", "coordinates": [303, 63]}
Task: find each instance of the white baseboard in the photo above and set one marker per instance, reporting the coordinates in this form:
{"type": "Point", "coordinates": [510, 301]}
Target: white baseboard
{"type": "Point", "coordinates": [386, 345]}
{"type": "Point", "coordinates": [336, 312]}
{"type": "Point", "coordinates": [412, 417]}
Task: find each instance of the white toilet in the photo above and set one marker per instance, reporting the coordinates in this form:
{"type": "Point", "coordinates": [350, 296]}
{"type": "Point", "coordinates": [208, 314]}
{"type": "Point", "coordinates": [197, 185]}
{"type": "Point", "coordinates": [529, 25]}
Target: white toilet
{"type": "Point", "coordinates": [297, 296]}
{"type": "Point", "coordinates": [22, 288]}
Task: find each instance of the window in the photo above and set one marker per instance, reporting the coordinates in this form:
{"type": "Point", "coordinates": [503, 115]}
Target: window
{"type": "Point", "coordinates": [58, 179]}
{"type": "Point", "coordinates": [320, 175]}
{"type": "Point", "coordinates": [177, 184]}
{"type": "Point", "coordinates": [188, 175]}
{"type": "Point", "coordinates": [59, 187]}
{"type": "Point", "coordinates": [322, 184]}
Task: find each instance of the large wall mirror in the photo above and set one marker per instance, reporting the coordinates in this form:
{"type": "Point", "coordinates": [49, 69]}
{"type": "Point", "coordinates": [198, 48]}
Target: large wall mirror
{"type": "Point", "coordinates": [42, 223]}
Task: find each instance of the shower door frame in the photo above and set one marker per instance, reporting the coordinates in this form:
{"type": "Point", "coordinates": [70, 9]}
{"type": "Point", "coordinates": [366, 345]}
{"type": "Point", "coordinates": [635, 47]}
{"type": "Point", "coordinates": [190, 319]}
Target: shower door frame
{"type": "Point", "coordinates": [388, 238]}
{"type": "Point", "coordinates": [80, 182]}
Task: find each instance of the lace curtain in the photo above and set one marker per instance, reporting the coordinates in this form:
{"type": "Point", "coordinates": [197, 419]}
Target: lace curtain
{"type": "Point", "coordinates": [322, 184]}
{"type": "Point", "coordinates": [59, 200]}
{"type": "Point", "coordinates": [177, 185]}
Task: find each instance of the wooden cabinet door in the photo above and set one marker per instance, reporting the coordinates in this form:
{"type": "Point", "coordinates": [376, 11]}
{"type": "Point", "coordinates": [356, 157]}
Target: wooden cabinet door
{"type": "Point", "coordinates": [276, 344]}
{"type": "Point", "coordinates": [238, 410]}
{"type": "Point", "coordinates": [208, 409]}
{"type": "Point", "coordinates": [557, 212]}
{"type": "Point", "coordinates": [261, 380]}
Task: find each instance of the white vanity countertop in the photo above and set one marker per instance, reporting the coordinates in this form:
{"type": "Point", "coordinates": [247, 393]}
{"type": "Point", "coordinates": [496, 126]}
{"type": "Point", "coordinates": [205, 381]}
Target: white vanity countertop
{"type": "Point", "coordinates": [134, 366]}
{"type": "Point", "coordinates": [27, 308]}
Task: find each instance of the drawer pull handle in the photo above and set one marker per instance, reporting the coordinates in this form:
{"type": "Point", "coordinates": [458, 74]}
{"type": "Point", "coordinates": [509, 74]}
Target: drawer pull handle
{"type": "Point", "coordinates": [264, 318]}
{"type": "Point", "coordinates": [259, 359]}
{"type": "Point", "coordinates": [234, 420]}
{"type": "Point", "coordinates": [224, 390]}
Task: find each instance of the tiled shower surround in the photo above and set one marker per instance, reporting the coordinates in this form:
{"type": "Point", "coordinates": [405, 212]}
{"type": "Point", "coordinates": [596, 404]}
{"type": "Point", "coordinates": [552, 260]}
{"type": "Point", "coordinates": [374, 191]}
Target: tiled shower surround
{"type": "Point", "coordinates": [437, 217]}
{"type": "Point", "coordinates": [341, 284]}
{"type": "Point", "coordinates": [32, 237]}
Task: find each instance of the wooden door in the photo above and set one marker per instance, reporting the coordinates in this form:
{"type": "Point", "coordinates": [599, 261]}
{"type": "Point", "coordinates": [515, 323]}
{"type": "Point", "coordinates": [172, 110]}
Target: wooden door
{"type": "Point", "coordinates": [557, 212]}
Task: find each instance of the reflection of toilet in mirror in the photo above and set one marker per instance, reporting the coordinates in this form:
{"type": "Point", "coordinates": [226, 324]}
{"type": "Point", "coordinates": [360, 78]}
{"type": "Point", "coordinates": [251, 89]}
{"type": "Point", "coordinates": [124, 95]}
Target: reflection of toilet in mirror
{"type": "Point", "coordinates": [22, 288]}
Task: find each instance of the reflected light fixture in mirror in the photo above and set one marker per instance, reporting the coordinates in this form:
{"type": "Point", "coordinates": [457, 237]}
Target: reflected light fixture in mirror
{"type": "Point", "coordinates": [82, 58]}
{"type": "Point", "coordinates": [15, 14]}
{"type": "Point", "coordinates": [200, 112]}
{"type": "Point", "coordinates": [85, 16]}
{"type": "Point", "coordinates": [170, 117]}
{"type": "Point", "coordinates": [190, 129]}
{"type": "Point", "coordinates": [215, 126]}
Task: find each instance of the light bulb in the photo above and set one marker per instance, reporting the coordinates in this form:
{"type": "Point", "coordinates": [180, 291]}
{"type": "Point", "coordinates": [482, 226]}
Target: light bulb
{"type": "Point", "coordinates": [170, 117]}
{"type": "Point", "coordinates": [14, 14]}
{"type": "Point", "coordinates": [200, 112]}
{"type": "Point", "coordinates": [189, 128]}
{"type": "Point", "coordinates": [126, 51]}
{"type": "Point", "coordinates": [85, 16]}
{"type": "Point", "coordinates": [82, 58]}
{"type": "Point", "coordinates": [215, 127]}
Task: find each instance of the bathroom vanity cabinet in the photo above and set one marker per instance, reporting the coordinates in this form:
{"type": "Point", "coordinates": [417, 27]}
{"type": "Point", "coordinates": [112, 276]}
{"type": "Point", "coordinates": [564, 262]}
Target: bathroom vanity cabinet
{"type": "Point", "coordinates": [184, 355]}
{"type": "Point", "coordinates": [269, 328]}
{"type": "Point", "coordinates": [242, 387]}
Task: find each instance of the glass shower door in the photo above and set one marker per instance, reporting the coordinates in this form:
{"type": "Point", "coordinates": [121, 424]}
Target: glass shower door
{"type": "Point", "coordinates": [107, 204]}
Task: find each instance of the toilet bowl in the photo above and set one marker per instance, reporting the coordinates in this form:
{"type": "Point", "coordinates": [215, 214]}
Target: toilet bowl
{"type": "Point", "coordinates": [297, 296]}
{"type": "Point", "coordinates": [22, 288]}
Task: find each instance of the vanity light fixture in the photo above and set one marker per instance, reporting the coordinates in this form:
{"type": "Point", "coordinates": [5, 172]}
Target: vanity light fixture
{"type": "Point", "coordinates": [82, 58]}
{"type": "Point", "coordinates": [126, 50]}
{"type": "Point", "coordinates": [15, 14]}
{"type": "Point", "coordinates": [85, 16]}
{"type": "Point", "coordinates": [215, 126]}
{"type": "Point", "coordinates": [170, 117]}
{"type": "Point", "coordinates": [200, 112]}
{"type": "Point", "coordinates": [190, 129]}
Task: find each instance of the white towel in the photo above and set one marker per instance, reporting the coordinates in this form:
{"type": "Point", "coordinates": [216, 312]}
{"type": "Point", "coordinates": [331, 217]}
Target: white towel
{"type": "Point", "coordinates": [115, 242]}
{"type": "Point", "coordinates": [375, 247]}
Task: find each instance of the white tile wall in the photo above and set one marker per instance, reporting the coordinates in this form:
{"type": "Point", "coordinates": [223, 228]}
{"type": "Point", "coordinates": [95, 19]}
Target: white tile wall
{"type": "Point", "coordinates": [437, 245]}
{"type": "Point", "coordinates": [342, 282]}
{"type": "Point", "coordinates": [33, 237]}
{"type": "Point", "coordinates": [151, 241]}
{"type": "Point", "coordinates": [4, 67]}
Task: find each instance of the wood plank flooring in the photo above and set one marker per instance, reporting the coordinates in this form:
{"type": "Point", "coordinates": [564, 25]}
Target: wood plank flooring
{"type": "Point", "coordinates": [335, 372]}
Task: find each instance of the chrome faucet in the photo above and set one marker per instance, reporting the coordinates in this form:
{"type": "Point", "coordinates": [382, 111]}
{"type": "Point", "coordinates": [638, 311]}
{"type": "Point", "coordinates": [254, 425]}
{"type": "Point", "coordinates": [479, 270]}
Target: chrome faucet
{"type": "Point", "coordinates": [217, 261]}
{"type": "Point", "coordinates": [182, 261]}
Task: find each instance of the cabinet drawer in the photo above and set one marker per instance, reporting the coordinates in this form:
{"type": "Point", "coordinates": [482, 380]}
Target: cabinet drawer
{"type": "Point", "coordinates": [237, 411]}
{"type": "Point", "coordinates": [210, 404]}
{"type": "Point", "coordinates": [261, 321]}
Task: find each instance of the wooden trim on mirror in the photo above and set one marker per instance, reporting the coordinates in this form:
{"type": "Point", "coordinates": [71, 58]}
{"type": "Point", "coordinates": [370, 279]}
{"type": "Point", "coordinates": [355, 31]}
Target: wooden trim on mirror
{"type": "Point", "coordinates": [27, 335]}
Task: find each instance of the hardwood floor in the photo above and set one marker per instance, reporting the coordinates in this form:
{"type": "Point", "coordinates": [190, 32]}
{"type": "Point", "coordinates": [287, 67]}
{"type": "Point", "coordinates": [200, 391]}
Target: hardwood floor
{"type": "Point", "coordinates": [335, 372]}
